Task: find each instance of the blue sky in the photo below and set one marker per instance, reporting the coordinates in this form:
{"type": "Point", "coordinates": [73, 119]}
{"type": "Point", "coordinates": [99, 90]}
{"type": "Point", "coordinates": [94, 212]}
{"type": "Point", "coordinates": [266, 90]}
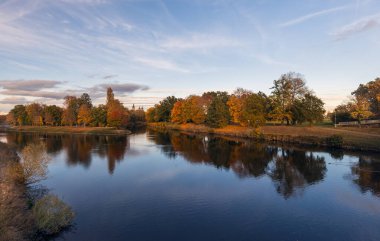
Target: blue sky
{"type": "Point", "coordinates": [147, 50]}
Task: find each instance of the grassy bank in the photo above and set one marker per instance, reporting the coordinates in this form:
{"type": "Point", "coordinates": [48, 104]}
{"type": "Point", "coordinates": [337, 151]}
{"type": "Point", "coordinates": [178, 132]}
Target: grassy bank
{"type": "Point", "coordinates": [71, 130]}
{"type": "Point", "coordinates": [367, 139]}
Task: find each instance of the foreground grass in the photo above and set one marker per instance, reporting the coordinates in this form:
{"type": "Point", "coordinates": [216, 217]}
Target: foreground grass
{"type": "Point", "coordinates": [352, 138]}
{"type": "Point", "coordinates": [68, 129]}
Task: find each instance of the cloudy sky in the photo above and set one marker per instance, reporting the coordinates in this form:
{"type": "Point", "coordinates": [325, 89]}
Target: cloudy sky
{"type": "Point", "coordinates": [148, 49]}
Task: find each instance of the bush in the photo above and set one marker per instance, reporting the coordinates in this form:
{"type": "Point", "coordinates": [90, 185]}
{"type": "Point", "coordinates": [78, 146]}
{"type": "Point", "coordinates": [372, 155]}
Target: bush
{"type": "Point", "coordinates": [334, 141]}
{"type": "Point", "coordinates": [52, 214]}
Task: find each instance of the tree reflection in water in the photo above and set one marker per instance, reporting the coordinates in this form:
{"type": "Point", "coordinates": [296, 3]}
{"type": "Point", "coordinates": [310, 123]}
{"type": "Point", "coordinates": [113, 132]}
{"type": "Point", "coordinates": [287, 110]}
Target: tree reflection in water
{"type": "Point", "coordinates": [79, 149]}
{"type": "Point", "coordinates": [291, 170]}
{"type": "Point", "coordinates": [366, 174]}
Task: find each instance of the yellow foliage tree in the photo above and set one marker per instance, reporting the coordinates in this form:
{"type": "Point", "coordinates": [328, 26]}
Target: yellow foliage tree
{"type": "Point", "coordinates": [84, 115]}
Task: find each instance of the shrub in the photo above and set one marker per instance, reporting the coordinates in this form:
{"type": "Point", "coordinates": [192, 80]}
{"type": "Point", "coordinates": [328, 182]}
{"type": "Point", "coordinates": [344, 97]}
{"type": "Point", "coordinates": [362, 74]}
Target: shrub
{"type": "Point", "coordinates": [334, 141]}
{"type": "Point", "coordinates": [52, 214]}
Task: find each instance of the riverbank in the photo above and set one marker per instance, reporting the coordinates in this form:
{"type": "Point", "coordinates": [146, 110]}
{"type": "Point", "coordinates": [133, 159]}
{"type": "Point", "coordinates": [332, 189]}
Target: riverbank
{"type": "Point", "coordinates": [364, 139]}
{"type": "Point", "coordinates": [70, 130]}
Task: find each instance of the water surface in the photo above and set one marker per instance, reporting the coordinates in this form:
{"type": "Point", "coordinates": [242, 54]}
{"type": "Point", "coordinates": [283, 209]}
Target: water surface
{"type": "Point", "coordinates": [173, 186]}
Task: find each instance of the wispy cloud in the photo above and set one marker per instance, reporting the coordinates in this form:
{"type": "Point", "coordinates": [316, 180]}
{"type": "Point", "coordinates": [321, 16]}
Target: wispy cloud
{"type": "Point", "coordinates": [361, 25]}
{"type": "Point", "coordinates": [313, 15]}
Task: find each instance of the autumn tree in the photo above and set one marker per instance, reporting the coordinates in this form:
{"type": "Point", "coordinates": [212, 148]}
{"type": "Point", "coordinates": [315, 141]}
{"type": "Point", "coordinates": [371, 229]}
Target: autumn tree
{"type": "Point", "coordinates": [35, 113]}
{"type": "Point", "coordinates": [70, 112]}
{"type": "Point", "coordinates": [360, 109]}
{"type": "Point", "coordinates": [370, 92]}
{"type": "Point", "coordinates": [84, 115]}
{"type": "Point", "coordinates": [177, 113]}
{"type": "Point", "coordinates": [286, 90]}
{"type": "Point", "coordinates": [116, 114]}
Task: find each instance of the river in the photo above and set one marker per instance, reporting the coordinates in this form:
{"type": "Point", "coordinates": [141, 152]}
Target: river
{"type": "Point", "coordinates": [175, 186]}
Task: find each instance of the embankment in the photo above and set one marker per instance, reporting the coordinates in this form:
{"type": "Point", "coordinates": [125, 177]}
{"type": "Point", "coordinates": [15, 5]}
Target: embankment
{"type": "Point", "coordinates": [362, 139]}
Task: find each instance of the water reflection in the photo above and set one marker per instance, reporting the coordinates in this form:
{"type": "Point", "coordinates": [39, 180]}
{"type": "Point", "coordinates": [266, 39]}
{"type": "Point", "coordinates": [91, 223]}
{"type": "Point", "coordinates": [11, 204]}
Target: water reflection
{"type": "Point", "coordinates": [366, 174]}
{"type": "Point", "coordinates": [79, 149]}
{"type": "Point", "coordinates": [291, 170]}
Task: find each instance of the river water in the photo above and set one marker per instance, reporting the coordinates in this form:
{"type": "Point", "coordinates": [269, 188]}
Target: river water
{"type": "Point", "coordinates": [176, 186]}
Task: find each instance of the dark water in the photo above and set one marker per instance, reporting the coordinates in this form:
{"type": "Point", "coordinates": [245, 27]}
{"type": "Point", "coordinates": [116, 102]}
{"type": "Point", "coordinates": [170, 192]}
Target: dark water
{"type": "Point", "coordinates": [172, 186]}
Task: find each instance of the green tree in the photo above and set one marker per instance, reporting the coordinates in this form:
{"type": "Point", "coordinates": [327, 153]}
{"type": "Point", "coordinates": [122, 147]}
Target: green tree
{"type": "Point", "coordinates": [164, 108]}
{"type": "Point", "coordinates": [53, 115]}
{"type": "Point", "coordinates": [313, 108]}
{"type": "Point", "coordinates": [18, 116]}
{"type": "Point", "coordinates": [218, 114]}
{"type": "Point", "coordinates": [253, 114]}
{"type": "Point", "coordinates": [99, 116]}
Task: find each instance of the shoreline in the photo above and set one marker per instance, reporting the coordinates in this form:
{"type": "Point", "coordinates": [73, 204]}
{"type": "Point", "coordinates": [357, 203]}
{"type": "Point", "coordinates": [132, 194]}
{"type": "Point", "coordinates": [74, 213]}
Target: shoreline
{"type": "Point", "coordinates": [69, 130]}
{"type": "Point", "coordinates": [328, 137]}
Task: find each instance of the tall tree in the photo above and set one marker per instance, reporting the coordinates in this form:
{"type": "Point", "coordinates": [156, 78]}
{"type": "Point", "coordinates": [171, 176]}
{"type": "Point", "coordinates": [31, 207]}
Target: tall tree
{"type": "Point", "coordinates": [360, 109]}
{"type": "Point", "coordinates": [286, 90]}
{"type": "Point", "coordinates": [313, 108]}
{"type": "Point", "coordinates": [70, 112]}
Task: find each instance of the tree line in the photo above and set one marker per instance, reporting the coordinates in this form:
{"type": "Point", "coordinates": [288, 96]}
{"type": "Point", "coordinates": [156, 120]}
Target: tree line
{"type": "Point", "coordinates": [291, 102]}
{"type": "Point", "coordinates": [364, 104]}
{"type": "Point", "coordinates": [78, 111]}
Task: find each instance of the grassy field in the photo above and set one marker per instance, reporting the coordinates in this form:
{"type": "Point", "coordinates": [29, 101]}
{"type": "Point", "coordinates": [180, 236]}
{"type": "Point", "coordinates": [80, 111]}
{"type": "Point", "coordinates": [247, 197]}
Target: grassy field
{"type": "Point", "coordinates": [352, 138]}
{"type": "Point", "coordinates": [68, 129]}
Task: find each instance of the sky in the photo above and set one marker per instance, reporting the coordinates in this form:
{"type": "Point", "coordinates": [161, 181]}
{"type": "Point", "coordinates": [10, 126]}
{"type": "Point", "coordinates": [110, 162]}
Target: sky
{"type": "Point", "coordinates": [149, 49]}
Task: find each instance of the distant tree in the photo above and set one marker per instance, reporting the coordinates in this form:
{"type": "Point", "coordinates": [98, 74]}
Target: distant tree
{"type": "Point", "coordinates": [84, 115]}
{"type": "Point", "coordinates": [35, 114]}
{"type": "Point", "coordinates": [342, 113]}
{"type": "Point", "coordinates": [136, 117]}
{"type": "Point", "coordinates": [53, 115]}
